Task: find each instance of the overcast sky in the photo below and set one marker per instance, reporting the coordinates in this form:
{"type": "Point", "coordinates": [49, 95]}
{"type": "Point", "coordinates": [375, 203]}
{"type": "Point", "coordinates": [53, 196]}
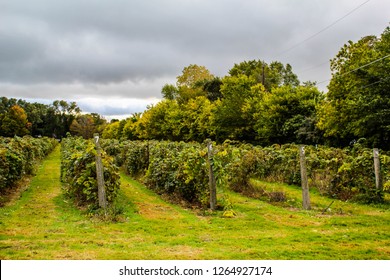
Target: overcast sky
{"type": "Point", "coordinates": [113, 56]}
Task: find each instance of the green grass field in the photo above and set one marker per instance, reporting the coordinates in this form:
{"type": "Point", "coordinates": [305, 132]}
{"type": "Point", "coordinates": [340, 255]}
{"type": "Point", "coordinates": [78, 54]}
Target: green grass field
{"type": "Point", "coordinates": [42, 224]}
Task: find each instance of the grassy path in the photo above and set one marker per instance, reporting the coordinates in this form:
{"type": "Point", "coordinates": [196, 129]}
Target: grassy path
{"type": "Point", "coordinates": [42, 224]}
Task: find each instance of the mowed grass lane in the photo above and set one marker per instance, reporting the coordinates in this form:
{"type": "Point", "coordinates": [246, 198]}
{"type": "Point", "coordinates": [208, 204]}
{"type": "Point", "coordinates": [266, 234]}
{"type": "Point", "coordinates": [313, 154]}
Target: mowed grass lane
{"type": "Point", "coordinates": [42, 224]}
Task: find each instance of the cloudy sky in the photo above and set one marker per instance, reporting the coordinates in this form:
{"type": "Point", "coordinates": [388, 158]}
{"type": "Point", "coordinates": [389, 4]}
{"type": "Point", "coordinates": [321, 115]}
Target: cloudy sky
{"type": "Point", "coordinates": [113, 56]}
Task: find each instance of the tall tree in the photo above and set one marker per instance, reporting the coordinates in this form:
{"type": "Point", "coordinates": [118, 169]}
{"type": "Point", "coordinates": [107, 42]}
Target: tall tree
{"type": "Point", "coordinates": [270, 75]}
{"type": "Point", "coordinates": [83, 126]}
{"type": "Point", "coordinates": [192, 74]}
{"type": "Point", "coordinates": [190, 83]}
{"type": "Point", "coordinates": [158, 121]}
{"type": "Point", "coordinates": [36, 113]}
{"type": "Point", "coordinates": [213, 89]}
{"type": "Point", "coordinates": [112, 131]}
{"type": "Point", "coordinates": [358, 102]}
{"type": "Point", "coordinates": [60, 116]}
{"type": "Point", "coordinates": [169, 92]}
{"type": "Point", "coordinates": [128, 127]}
{"type": "Point", "coordinates": [229, 118]}
{"type": "Point", "coordinates": [288, 114]}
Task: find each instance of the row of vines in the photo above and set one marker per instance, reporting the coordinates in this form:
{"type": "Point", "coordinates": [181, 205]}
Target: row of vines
{"type": "Point", "coordinates": [345, 174]}
{"type": "Point", "coordinates": [175, 169]}
{"type": "Point", "coordinates": [180, 170]}
{"type": "Point", "coordinates": [18, 157]}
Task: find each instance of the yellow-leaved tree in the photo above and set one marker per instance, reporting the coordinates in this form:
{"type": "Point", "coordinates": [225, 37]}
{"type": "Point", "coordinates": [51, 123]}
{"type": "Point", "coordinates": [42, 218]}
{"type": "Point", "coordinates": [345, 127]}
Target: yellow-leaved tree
{"type": "Point", "coordinates": [15, 122]}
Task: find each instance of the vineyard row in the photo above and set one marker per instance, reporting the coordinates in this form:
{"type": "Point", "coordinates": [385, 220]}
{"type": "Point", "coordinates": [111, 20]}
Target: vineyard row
{"type": "Point", "coordinates": [18, 157]}
{"type": "Point", "coordinates": [181, 169]}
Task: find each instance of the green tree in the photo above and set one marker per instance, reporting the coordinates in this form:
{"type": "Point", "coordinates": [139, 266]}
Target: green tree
{"type": "Point", "coordinates": [212, 88]}
{"type": "Point", "coordinates": [169, 120]}
{"type": "Point", "coordinates": [36, 113]}
{"type": "Point", "coordinates": [83, 126]}
{"type": "Point", "coordinates": [270, 75]}
{"type": "Point", "coordinates": [195, 120]}
{"type": "Point", "coordinates": [192, 74]}
{"type": "Point", "coordinates": [169, 92]}
{"type": "Point", "coordinates": [59, 118]}
{"type": "Point", "coordinates": [358, 103]}
{"type": "Point", "coordinates": [190, 83]}
{"type": "Point", "coordinates": [157, 121]}
{"type": "Point", "coordinates": [287, 115]}
{"type": "Point", "coordinates": [129, 128]}
{"type": "Point", "coordinates": [112, 130]}
{"type": "Point", "coordinates": [230, 118]}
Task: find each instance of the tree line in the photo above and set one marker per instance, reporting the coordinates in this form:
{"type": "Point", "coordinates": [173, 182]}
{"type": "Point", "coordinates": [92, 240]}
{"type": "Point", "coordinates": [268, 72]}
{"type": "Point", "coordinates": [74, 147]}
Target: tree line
{"type": "Point", "coordinates": [19, 117]}
{"type": "Point", "coordinates": [265, 103]}
{"type": "Point", "coordinates": [257, 102]}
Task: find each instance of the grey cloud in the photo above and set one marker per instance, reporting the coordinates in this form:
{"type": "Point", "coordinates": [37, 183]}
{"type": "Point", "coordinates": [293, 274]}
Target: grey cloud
{"type": "Point", "coordinates": [138, 45]}
{"type": "Point", "coordinates": [111, 41]}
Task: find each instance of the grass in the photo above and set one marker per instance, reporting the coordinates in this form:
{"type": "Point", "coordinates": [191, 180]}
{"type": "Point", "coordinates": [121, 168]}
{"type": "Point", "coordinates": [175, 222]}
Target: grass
{"type": "Point", "coordinates": [42, 224]}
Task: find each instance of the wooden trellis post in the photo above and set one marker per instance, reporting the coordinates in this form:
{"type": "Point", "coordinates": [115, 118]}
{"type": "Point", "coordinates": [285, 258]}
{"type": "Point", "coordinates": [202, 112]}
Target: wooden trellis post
{"type": "Point", "coordinates": [305, 185]}
{"type": "Point", "coordinates": [377, 169]}
{"type": "Point", "coordinates": [212, 182]}
{"type": "Point", "coordinates": [99, 174]}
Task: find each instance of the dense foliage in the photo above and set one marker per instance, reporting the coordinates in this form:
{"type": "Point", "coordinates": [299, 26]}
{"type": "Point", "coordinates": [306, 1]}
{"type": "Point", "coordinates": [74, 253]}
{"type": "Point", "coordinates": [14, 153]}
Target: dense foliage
{"type": "Point", "coordinates": [358, 101]}
{"type": "Point", "coordinates": [181, 170]}
{"type": "Point", "coordinates": [19, 117]}
{"type": "Point", "coordinates": [18, 157]}
{"type": "Point", "coordinates": [346, 174]}
{"type": "Point", "coordinates": [265, 103]}
{"type": "Point", "coordinates": [236, 107]}
{"type": "Point", "coordinates": [78, 172]}
{"type": "Point", "coordinates": [256, 102]}
{"type": "Point", "coordinates": [176, 169]}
